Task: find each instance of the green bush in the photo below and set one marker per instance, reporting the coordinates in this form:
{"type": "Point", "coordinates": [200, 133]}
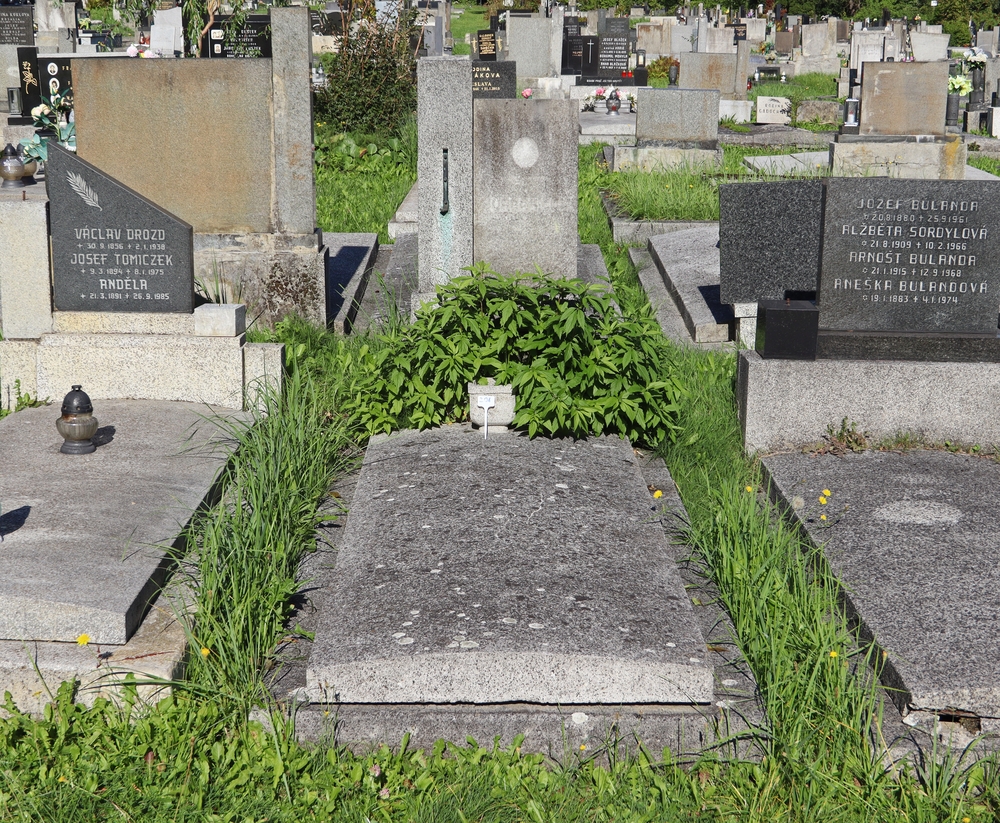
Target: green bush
{"type": "Point", "coordinates": [660, 67]}
{"type": "Point", "coordinates": [371, 82]}
{"type": "Point", "coordinates": [959, 31]}
{"type": "Point", "coordinates": [578, 366]}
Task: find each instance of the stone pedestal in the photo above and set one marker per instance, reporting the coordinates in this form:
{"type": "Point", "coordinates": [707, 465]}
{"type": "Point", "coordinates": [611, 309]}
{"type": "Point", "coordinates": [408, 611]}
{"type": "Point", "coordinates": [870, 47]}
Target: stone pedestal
{"type": "Point", "coordinates": [936, 158]}
{"type": "Point", "coordinates": [25, 293]}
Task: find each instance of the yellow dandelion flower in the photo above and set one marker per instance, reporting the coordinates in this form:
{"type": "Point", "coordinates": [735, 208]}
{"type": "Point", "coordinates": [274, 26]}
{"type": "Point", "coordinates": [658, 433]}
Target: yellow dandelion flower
{"type": "Point", "coordinates": [822, 500]}
{"type": "Point", "coordinates": [657, 494]}
{"type": "Point", "coordinates": [749, 489]}
{"type": "Point", "coordinates": [62, 778]}
{"type": "Point", "coordinates": [966, 820]}
{"type": "Point", "coordinates": [833, 654]}
{"type": "Point", "coordinates": [583, 747]}
{"type": "Point", "coordinates": [822, 517]}
{"type": "Point", "coordinates": [83, 639]}
{"type": "Point", "coordinates": [826, 492]}
{"type": "Point", "coordinates": [205, 651]}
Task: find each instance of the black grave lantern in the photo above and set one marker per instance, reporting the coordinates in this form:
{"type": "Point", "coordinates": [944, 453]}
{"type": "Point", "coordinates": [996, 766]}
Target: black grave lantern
{"type": "Point", "coordinates": [77, 424]}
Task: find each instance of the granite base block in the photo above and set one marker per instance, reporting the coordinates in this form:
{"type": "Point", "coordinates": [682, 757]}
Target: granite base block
{"type": "Point", "coordinates": [938, 349]}
{"type": "Point", "coordinates": [207, 320]}
{"type": "Point", "coordinates": [273, 275]}
{"type": "Point", "coordinates": [143, 367]}
{"type": "Point", "coordinates": [263, 373]}
{"type": "Point", "coordinates": [908, 159]}
{"type": "Point", "coordinates": [786, 404]}
{"type": "Point", "coordinates": [153, 656]}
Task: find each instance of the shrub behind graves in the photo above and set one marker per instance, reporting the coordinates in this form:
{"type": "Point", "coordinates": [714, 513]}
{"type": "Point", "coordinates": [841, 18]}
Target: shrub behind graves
{"type": "Point", "coordinates": [371, 82]}
{"type": "Point", "coordinates": [578, 366]}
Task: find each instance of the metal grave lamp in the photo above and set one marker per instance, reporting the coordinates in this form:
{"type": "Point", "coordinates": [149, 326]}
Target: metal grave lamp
{"type": "Point", "coordinates": [14, 100]}
{"type": "Point", "coordinates": [77, 424]}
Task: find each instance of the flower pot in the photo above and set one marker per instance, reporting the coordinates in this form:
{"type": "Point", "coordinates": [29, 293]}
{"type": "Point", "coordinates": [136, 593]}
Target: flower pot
{"type": "Point", "coordinates": [951, 110]}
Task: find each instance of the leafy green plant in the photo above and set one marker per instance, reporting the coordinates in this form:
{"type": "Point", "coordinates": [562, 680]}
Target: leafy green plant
{"type": "Point", "coordinates": [660, 67]}
{"type": "Point", "coordinates": [578, 366]}
{"type": "Point", "coordinates": [23, 400]}
{"type": "Point", "coordinates": [342, 152]}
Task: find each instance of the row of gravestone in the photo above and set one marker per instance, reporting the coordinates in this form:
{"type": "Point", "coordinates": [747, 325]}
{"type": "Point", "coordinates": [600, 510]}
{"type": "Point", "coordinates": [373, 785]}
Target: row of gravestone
{"type": "Point", "coordinates": [876, 269]}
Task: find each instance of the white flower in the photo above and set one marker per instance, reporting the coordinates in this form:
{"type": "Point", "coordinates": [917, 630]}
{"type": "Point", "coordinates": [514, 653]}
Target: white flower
{"type": "Point", "coordinates": [132, 51]}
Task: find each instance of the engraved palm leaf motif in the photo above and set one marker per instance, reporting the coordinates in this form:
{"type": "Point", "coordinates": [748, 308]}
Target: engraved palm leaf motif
{"type": "Point", "coordinates": [81, 187]}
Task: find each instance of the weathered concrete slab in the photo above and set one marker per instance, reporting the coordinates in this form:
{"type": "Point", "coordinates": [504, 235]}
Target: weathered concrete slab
{"type": "Point", "coordinates": [87, 538]}
{"type": "Point", "coordinates": [913, 539]}
{"type": "Point", "coordinates": [503, 571]}
{"type": "Point", "coordinates": [689, 264]}
{"type": "Point", "coordinates": [348, 269]}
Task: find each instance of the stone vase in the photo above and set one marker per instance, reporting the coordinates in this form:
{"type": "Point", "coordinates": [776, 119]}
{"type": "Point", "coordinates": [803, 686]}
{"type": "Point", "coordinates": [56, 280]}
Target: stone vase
{"type": "Point", "coordinates": [951, 111]}
{"type": "Point", "coordinates": [672, 75]}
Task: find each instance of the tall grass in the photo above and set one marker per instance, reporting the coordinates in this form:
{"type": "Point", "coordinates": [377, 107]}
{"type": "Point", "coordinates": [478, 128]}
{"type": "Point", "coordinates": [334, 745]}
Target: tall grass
{"type": "Point", "coordinates": [246, 550]}
{"type": "Point", "coordinates": [688, 193]}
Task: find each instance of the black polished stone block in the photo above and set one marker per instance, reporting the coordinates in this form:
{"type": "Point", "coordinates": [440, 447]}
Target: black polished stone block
{"type": "Point", "coordinates": [786, 329]}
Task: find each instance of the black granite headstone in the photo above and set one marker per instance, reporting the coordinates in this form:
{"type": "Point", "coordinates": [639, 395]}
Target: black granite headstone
{"type": "Point", "coordinates": [769, 240]}
{"type": "Point", "coordinates": [112, 249]}
{"type": "Point", "coordinates": [498, 80]}
{"type": "Point", "coordinates": [589, 63]}
{"type": "Point", "coordinates": [612, 57]}
{"type": "Point", "coordinates": [486, 44]}
{"type": "Point", "coordinates": [616, 27]}
{"type": "Point", "coordinates": [27, 63]}
{"type": "Point", "coordinates": [56, 76]}
{"type": "Point", "coordinates": [252, 39]}
{"type": "Point", "coordinates": [739, 31]}
{"type": "Point", "coordinates": [911, 256]}
{"type": "Point", "coordinates": [16, 27]}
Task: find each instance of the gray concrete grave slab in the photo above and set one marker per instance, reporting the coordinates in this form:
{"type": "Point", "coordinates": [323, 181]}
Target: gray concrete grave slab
{"type": "Point", "coordinates": [912, 537]}
{"type": "Point", "coordinates": [529, 45]}
{"type": "Point", "coordinates": [348, 270]}
{"type": "Point", "coordinates": [686, 118]}
{"type": "Point", "coordinates": [525, 185]}
{"type": "Point", "coordinates": [502, 571]}
{"type": "Point", "coordinates": [904, 98]}
{"type": "Point", "coordinates": [709, 71]}
{"type": "Point", "coordinates": [87, 539]}
{"type": "Point", "coordinates": [689, 264]}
